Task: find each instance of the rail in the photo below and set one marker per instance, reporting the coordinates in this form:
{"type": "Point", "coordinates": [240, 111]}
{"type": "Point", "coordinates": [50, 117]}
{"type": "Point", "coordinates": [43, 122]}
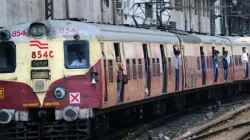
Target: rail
{"type": "Point", "coordinates": [198, 134]}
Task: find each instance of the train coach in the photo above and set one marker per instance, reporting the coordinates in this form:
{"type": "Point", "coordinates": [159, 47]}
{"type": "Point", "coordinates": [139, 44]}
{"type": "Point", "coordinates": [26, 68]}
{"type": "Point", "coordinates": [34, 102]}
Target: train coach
{"type": "Point", "coordinates": [64, 74]}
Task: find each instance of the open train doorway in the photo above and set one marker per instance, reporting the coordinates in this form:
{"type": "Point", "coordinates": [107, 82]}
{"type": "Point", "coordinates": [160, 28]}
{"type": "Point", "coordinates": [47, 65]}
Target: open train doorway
{"type": "Point", "coordinates": [147, 70]}
{"type": "Point", "coordinates": [203, 66]}
{"type": "Point", "coordinates": [164, 70]}
{"type": "Point", "coordinates": [119, 72]}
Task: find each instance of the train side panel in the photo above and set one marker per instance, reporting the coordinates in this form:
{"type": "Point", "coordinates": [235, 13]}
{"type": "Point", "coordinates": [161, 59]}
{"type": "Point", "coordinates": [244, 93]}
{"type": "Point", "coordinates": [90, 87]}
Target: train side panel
{"type": "Point", "coordinates": [238, 66]}
{"type": "Point", "coordinates": [156, 70]}
{"type": "Point", "coordinates": [133, 65]}
{"type": "Point", "coordinates": [192, 60]}
{"type": "Point", "coordinates": [110, 84]}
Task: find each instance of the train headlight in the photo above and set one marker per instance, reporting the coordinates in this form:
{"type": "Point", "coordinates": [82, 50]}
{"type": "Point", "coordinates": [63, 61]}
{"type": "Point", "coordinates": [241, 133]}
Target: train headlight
{"type": "Point", "coordinates": [94, 77]}
{"type": "Point", "coordinates": [5, 35]}
{"type": "Point", "coordinates": [37, 29]}
{"type": "Point", "coordinates": [59, 93]}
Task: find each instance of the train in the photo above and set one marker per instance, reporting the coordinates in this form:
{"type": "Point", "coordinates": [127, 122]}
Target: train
{"type": "Point", "coordinates": [59, 78]}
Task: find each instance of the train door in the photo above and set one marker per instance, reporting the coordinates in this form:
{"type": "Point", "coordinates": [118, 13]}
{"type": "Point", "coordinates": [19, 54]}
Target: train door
{"type": "Point", "coordinates": [147, 70]}
{"type": "Point", "coordinates": [214, 70]}
{"type": "Point", "coordinates": [120, 86]}
{"type": "Point", "coordinates": [109, 71]}
{"type": "Point", "coordinates": [164, 69]}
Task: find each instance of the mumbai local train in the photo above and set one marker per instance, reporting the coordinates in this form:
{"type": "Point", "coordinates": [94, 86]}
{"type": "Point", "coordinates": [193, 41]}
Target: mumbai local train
{"type": "Point", "coordinates": [59, 78]}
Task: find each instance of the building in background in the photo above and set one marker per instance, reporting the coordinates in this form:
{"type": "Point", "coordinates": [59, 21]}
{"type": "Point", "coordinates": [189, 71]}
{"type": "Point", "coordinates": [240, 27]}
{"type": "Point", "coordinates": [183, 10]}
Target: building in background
{"type": "Point", "coordinates": [18, 11]}
{"type": "Point", "coordinates": [186, 15]}
{"type": "Point", "coordinates": [204, 16]}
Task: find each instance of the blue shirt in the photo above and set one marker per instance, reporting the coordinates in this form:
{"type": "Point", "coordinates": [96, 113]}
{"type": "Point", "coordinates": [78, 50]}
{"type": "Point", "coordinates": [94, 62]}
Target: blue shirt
{"type": "Point", "coordinates": [176, 62]}
{"type": "Point", "coordinates": [216, 60]}
{"type": "Point", "coordinates": [203, 65]}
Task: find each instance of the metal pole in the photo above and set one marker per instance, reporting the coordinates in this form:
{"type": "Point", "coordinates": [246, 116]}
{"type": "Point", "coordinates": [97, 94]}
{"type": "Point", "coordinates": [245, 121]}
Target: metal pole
{"type": "Point", "coordinates": [67, 9]}
{"type": "Point", "coordinates": [114, 11]}
{"type": "Point", "coordinates": [185, 14]}
{"type": "Point", "coordinates": [231, 19]}
{"type": "Point", "coordinates": [199, 16]}
{"type": "Point", "coordinates": [157, 11]}
{"type": "Point", "coordinates": [190, 15]}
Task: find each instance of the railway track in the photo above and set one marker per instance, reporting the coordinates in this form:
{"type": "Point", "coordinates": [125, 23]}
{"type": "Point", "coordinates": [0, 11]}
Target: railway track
{"type": "Point", "coordinates": [224, 126]}
{"type": "Point", "coordinates": [130, 133]}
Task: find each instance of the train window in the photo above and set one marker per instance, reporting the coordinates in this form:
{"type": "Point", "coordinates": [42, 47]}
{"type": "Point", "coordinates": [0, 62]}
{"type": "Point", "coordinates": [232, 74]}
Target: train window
{"type": "Point", "coordinates": [134, 69]}
{"type": "Point", "coordinates": [154, 67]}
{"type": "Point", "coordinates": [76, 54]}
{"type": "Point", "coordinates": [169, 66]}
{"type": "Point", "coordinates": [211, 62]}
{"type": "Point", "coordinates": [236, 61]}
{"type": "Point", "coordinates": [220, 63]}
{"type": "Point", "coordinates": [240, 62]}
{"type": "Point", "coordinates": [110, 71]}
{"type": "Point", "coordinates": [7, 57]}
{"type": "Point", "coordinates": [230, 61]}
{"type": "Point", "coordinates": [198, 63]}
{"type": "Point", "coordinates": [208, 63]}
{"type": "Point", "coordinates": [128, 68]}
{"type": "Point", "coordinates": [140, 68]}
{"type": "Point", "coordinates": [158, 66]}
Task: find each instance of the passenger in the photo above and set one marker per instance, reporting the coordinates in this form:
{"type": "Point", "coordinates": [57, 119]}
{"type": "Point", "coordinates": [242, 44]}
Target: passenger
{"type": "Point", "coordinates": [245, 62]}
{"type": "Point", "coordinates": [176, 62]}
{"type": "Point", "coordinates": [119, 70]}
{"type": "Point", "coordinates": [203, 66]}
{"type": "Point", "coordinates": [80, 61]}
{"type": "Point", "coordinates": [215, 65]}
{"type": "Point", "coordinates": [225, 65]}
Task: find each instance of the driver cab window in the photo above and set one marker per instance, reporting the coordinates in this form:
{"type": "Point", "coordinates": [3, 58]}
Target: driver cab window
{"type": "Point", "coordinates": [7, 57]}
{"type": "Point", "coordinates": [76, 54]}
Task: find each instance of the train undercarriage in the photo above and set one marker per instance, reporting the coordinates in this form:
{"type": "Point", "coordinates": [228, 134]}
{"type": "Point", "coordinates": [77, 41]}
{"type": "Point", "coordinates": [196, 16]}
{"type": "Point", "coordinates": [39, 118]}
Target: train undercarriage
{"type": "Point", "coordinates": [109, 121]}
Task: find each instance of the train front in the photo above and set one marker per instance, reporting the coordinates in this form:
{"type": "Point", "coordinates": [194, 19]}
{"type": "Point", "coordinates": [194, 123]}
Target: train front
{"type": "Point", "coordinates": [49, 80]}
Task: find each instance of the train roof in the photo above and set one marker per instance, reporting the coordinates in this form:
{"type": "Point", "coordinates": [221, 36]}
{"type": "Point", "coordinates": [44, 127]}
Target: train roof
{"type": "Point", "coordinates": [97, 31]}
{"type": "Point", "coordinates": [189, 38]}
{"type": "Point", "coordinates": [213, 39]}
{"type": "Point", "coordinates": [239, 41]}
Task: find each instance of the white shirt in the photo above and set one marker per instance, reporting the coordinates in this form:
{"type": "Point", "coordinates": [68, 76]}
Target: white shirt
{"type": "Point", "coordinates": [244, 57]}
{"type": "Point", "coordinates": [78, 63]}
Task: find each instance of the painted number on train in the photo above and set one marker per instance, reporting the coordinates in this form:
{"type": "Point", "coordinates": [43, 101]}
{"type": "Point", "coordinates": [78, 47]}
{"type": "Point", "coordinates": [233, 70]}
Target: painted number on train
{"type": "Point", "coordinates": [42, 54]}
{"type": "Point", "coordinates": [19, 33]}
{"type": "Point", "coordinates": [68, 30]}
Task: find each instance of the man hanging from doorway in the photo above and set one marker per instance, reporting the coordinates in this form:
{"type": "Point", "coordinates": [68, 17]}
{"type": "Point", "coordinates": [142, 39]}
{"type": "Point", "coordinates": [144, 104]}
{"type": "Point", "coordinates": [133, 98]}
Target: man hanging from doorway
{"type": "Point", "coordinates": [215, 65]}
{"type": "Point", "coordinates": [225, 65]}
{"type": "Point", "coordinates": [176, 64]}
{"type": "Point", "coordinates": [203, 66]}
{"type": "Point", "coordinates": [119, 70]}
{"type": "Point", "coordinates": [245, 61]}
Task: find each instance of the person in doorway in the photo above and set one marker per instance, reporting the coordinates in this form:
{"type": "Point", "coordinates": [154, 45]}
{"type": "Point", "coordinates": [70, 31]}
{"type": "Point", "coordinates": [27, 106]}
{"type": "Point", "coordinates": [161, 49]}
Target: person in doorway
{"type": "Point", "coordinates": [225, 65]}
{"type": "Point", "coordinates": [79, 61]}
{"type": "Point", "coordinates": [245, 61]}
{"type": "Point", "coordinates": [215, 65]}
{"type": "Point", "coordinates": [119, 70]}
{"type": "Point", "coordinates": [176, 64]}
{"type": "Point", "coordinates": [203, 66]}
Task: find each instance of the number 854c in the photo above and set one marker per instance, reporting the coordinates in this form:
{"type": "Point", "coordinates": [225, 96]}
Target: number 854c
{"type": "Point", "coordinates": [40, 54]}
